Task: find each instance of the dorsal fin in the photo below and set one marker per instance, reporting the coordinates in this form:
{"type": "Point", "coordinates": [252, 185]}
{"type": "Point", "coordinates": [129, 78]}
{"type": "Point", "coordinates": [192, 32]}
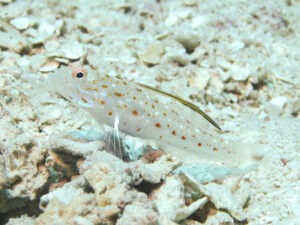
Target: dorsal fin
{"type": "Point", "coordinates": [184, 102]}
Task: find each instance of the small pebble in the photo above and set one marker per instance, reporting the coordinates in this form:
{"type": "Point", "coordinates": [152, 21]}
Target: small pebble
{"type": "Point", "coordinates": [279, 101]}
{"type": "Point", "coordinates": [200, 80]}
{"type": "Point", "coordinates": [153, 54]}
{"type": "Point", "coordinates": [5, 1]}
{"type": "Point", "coordinates": [21, 23]}
{"type": "Point", "coordinates": [201, 20]}
{"type": "Point", "coordinates": [72, 50]}
{"type": "Point", "coordinates": [190, 2]}
{"type": "Point", "coordinates": [49, 66]}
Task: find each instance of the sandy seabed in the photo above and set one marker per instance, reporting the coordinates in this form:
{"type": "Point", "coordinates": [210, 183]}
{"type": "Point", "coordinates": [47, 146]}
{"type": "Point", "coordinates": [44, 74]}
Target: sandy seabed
{"type": "Point", "coordinates": [239, 61]}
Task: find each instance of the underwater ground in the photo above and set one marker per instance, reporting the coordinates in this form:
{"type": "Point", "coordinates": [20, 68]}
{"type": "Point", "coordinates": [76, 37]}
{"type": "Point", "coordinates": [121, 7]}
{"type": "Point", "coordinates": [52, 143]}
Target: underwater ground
{"type": "Point", "coordinates": [239, 61]}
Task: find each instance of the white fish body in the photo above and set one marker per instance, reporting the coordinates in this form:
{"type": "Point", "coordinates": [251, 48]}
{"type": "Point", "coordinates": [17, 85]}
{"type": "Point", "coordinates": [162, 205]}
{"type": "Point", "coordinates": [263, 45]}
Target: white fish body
{"type": "Point", "coordinates": [141, 112]}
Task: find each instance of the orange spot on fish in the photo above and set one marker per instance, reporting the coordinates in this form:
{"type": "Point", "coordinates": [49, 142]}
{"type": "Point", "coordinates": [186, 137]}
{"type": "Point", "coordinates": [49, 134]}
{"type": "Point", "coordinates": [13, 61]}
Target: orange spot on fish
{"type": "Point", "coordinates": [101, 101]}
{"type": "Point", "coordinates": [118, 94]}
{"type": "Point", "coordinates": [83, 99]}
{"type": "Point", "coordinates": [91, 89]}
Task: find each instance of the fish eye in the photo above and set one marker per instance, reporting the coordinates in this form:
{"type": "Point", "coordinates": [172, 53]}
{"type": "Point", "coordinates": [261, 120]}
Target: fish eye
{"type": "Point", "coordinates": [79, 75]}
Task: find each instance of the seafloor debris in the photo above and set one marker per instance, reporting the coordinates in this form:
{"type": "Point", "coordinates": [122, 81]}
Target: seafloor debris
{"type": "Point", "coordinates": [231, 59]}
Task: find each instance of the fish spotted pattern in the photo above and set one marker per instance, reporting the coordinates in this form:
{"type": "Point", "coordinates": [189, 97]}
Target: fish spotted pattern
{"type": "Point", "coordinates": [140, 110]}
